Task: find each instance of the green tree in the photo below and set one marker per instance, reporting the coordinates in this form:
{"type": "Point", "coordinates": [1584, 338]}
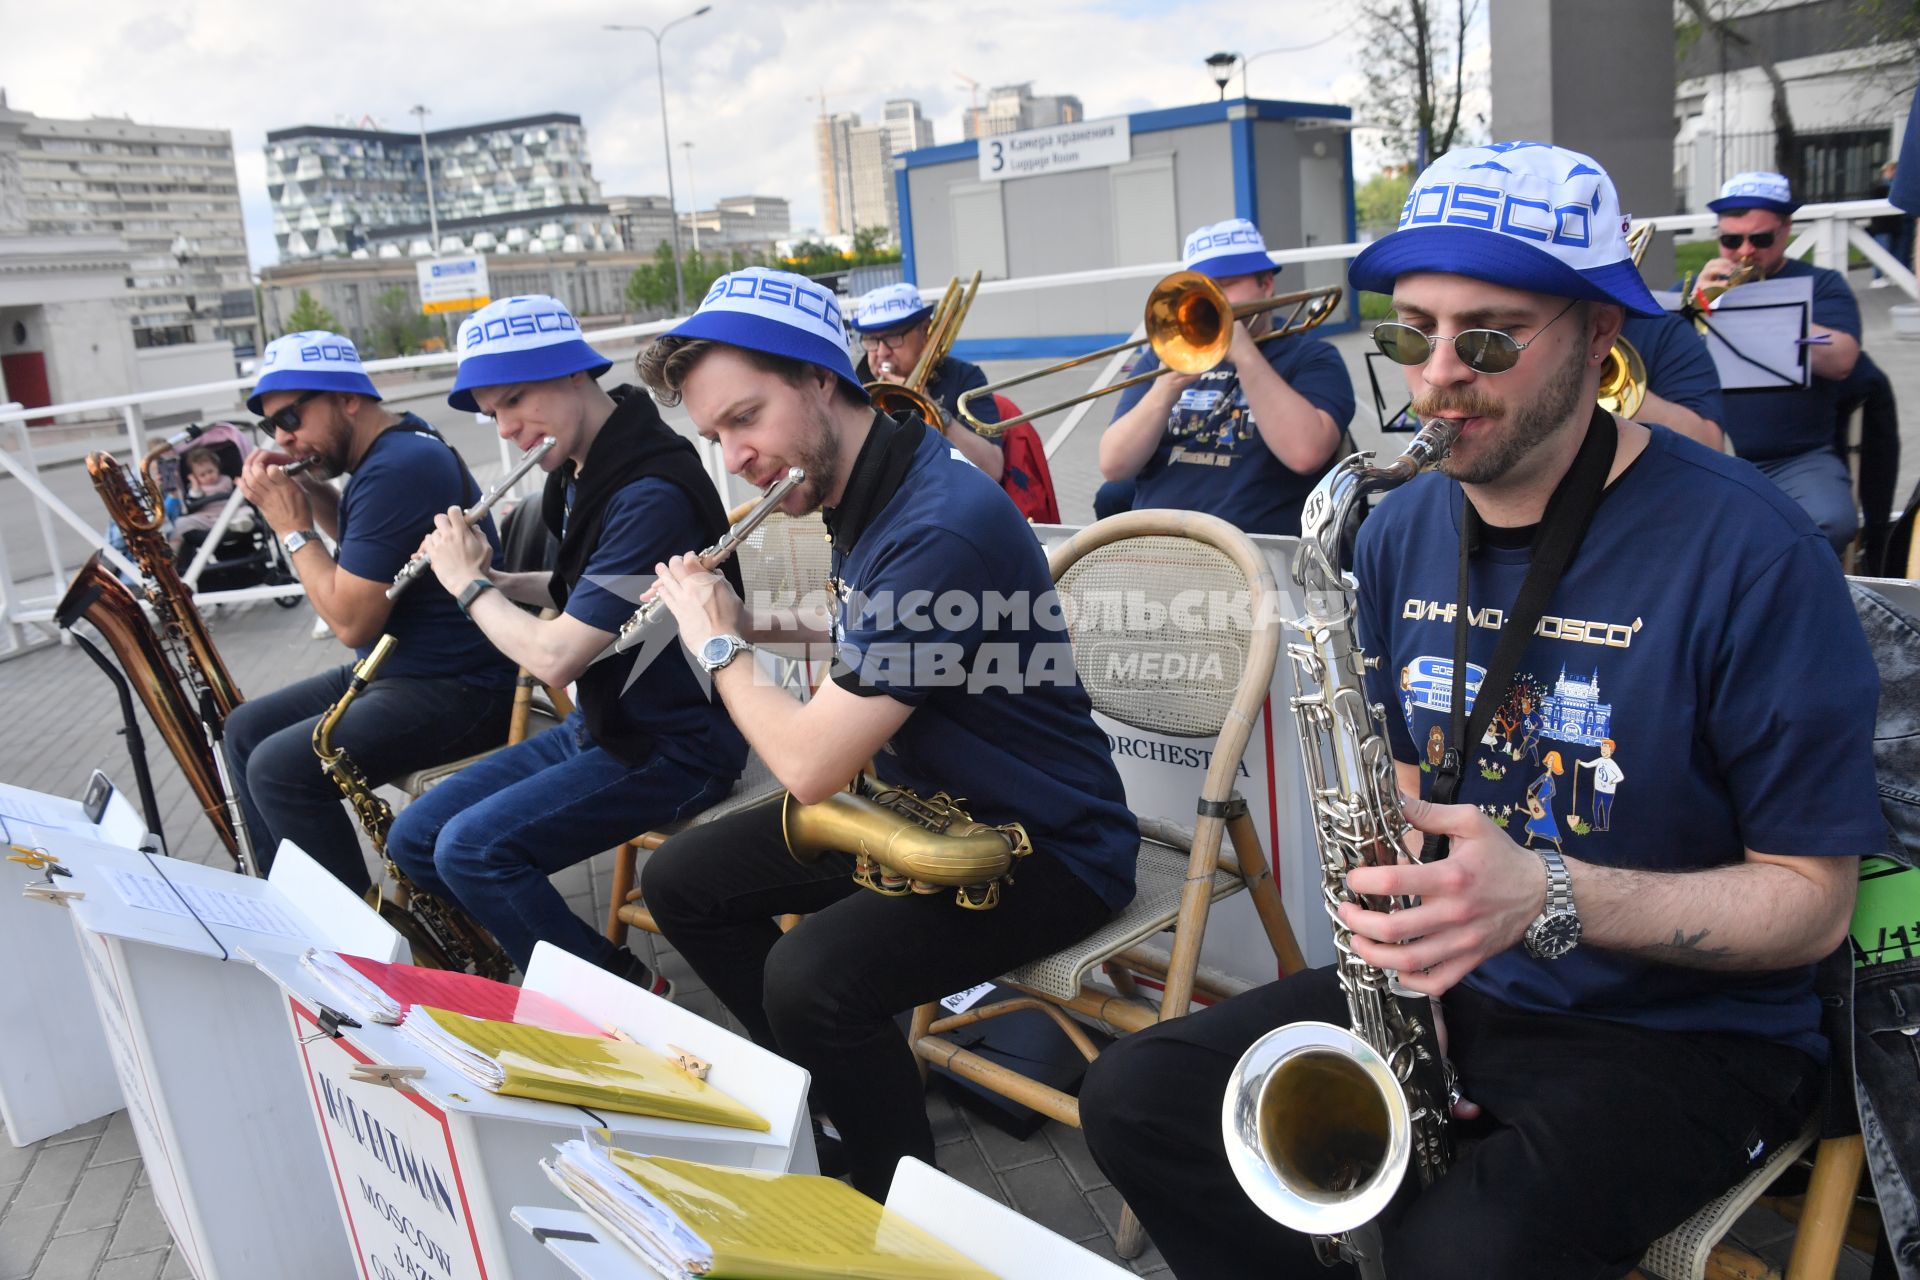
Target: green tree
{"type": "Point", "coordinates": [308, 314]}
{"type": "Point", "coordinates": [650, 287]}
{"type": "Point", "coordinates": [1415, 62]}
{"type": "Point", "coordinates": [1702, 20]}
{"type": "Point", "coordinates": [870, 245]}
{"type": "Point", "coordinates": [1377, 201]}
{"type": "Point", "coordinates": [398, 329]}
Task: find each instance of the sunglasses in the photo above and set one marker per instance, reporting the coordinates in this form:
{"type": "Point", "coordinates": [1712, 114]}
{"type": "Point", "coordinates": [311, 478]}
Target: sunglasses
{"type": "Point", "coordinates": [1759, 240]}
{"type": "Point", "coordinates": [1481, 350]}
{"type": "Point", "coordinates": [287, 419]}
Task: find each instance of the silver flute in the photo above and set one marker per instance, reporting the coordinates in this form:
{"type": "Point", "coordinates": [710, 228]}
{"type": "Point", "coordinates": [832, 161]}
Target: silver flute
{"type": "Point", "coordinates": [473, 514]}
{"type": "Point", "coordinates": [304, 464]}
{"type": "Point", "coordinates": [634, 629]}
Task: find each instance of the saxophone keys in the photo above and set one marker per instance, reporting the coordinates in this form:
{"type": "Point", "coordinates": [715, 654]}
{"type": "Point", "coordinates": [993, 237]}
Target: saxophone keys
{"type": "Point", "coordinates": [978, 897]}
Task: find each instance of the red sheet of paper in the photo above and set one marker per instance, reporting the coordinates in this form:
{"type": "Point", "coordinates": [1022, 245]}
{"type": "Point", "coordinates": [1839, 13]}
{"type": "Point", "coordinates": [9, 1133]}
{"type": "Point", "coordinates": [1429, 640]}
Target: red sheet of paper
{"type": "Point", "coordinates": [476, 997]}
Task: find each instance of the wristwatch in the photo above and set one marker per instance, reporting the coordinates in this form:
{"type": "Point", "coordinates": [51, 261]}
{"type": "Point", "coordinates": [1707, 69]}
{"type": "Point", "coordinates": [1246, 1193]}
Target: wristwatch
{"type": "Point", "coordinates": [1556, 930]}
{"type": "Point", "coordinates": [720, 650]}
{"type": "Point", "coordinates": [471, 592]}
{"type": "Point", "coordinates": [298, 539]}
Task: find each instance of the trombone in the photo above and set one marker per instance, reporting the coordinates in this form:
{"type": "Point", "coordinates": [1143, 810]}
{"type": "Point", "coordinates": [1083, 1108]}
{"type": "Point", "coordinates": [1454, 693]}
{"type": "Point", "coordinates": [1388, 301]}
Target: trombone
{"type": "Point", "coordinates": [1189, 325]}
{"type": "Point", "coordinates": [895, 398]}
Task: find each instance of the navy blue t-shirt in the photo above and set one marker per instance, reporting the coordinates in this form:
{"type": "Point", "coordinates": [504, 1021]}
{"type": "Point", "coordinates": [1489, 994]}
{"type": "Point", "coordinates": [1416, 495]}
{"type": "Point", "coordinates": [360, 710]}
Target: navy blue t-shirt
{"type": "Point", "coordinates": [1679, 366]}
{"type": "Point", "coordinates": [1211, 457]}
{"type": "Point", "coordinates": [1906, 178]}
{"type": "Point", "coordinates": [1662, 718]}
{"type": "Point", "coordinates": [407, 477]}
{"type": "Point", "coordinates": [647, 522]}
{"type": "Point", "coordinates": [947, 606]}
{"type": "Point", "coordinates": [1790, 421]}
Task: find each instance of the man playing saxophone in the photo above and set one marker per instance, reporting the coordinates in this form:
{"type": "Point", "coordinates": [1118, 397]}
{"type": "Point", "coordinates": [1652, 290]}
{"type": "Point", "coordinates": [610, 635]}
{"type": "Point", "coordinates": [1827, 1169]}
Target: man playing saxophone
{"type": "Point", "coordinates": [953, 673]}
{"type": "Point", "coordinates": [1633, 1022]}
{"type": "Point", "coordinates": [643, 748]}
{"type": "Point", "coordinates": [446, 693]}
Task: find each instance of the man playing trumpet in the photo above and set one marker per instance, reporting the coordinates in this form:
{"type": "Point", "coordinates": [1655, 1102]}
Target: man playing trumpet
{"type": "Point", "coordinates": [446, 693]}
{"type": "Point", "coordinates": [894, 325]}
{"type": "Point", "coordinates": [1247, 439]}
{"type": "Point", "coordinates": [953, 673]}
{"type": "Point", "coordinates": [644, 748]}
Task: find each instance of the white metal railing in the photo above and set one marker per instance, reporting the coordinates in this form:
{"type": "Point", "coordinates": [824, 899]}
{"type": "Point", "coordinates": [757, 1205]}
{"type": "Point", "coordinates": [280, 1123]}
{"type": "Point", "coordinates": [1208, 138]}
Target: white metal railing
{"type": "Point", "coordinates": [1825, 231]}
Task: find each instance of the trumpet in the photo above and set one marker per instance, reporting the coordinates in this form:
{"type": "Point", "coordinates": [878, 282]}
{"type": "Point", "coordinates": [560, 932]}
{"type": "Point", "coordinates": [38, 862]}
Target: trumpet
{"type": "Point", "coordinates": [1189, 325]}
{"type": "Point", "coordinates": [422, 562]}
{"type": "Point", "coordinates": [634, 629]}
{"type": "Point", "coordinates": [910, 396]}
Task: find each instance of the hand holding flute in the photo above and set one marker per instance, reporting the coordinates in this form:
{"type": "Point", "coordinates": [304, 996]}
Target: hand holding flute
{"type": "Point", "coordinates": [421, 562]}
{"type": "Point", "coordinates": [653, 612]}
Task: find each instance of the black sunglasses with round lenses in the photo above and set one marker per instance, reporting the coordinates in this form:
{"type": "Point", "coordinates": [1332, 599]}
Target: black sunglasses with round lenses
{"type": "Point", "coordinates": [1481, 350]}
{"type": "Point", "coordinates": [1759, 239]}
{"type": "Point", "coordinates": [287, 418]}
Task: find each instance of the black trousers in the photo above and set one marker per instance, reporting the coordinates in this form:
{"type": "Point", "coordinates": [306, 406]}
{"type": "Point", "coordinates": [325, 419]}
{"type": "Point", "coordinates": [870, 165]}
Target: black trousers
{"type": "Point", "coordinates": [1598, 1139]}
{"type": "Point", "coordinates": [825, 994]}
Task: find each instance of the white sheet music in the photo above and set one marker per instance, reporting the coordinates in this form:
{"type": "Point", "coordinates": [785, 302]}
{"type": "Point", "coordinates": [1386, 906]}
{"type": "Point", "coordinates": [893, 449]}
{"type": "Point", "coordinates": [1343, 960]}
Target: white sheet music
{"type": "Point", "coordinates": [214, 906]}
{"type": "Point", "coordinates": [1763, 322]}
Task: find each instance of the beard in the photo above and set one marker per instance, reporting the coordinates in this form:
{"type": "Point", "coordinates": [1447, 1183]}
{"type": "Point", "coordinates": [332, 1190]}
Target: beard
{"type": "Point", "coordinates": [1516, 431]}
{"type": "Point", "coordinates": [819, 454]}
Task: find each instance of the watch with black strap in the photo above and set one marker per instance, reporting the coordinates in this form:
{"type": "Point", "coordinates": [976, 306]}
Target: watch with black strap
{"type": "Point", "coordinates": [471, 592]}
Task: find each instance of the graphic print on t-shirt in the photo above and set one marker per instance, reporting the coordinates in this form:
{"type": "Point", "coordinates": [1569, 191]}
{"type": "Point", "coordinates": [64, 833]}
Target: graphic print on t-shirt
{"type": "Point", "coordinates": [1210, 421]}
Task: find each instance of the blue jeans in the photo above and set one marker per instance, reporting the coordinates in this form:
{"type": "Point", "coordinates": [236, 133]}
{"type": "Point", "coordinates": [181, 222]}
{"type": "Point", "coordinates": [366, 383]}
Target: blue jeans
{"type": "Point", "coordinates": [1819, 482]}
{"type": "Point", "coordinates": [489, 836]}
{"type": "Point", "coordinates": [396, 725]}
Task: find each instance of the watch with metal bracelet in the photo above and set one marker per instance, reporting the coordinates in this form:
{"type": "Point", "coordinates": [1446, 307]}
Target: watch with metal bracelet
{"type": "Point", "coordinates": [719, 650]}
{"type": "Point", "coordinates": [298, 539]}
{"type": "Point", "coordinates": [1556, 930]}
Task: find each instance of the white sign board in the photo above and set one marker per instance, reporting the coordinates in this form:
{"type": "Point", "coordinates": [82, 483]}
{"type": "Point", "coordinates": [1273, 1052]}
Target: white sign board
{"type": "Point", "coordinates": [453, 284]}
{"type": "Point", "coordinates": [1060, 148]}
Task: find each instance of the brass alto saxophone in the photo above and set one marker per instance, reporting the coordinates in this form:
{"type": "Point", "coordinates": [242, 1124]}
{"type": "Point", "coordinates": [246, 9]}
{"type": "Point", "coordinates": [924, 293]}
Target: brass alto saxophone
{"type": "Point", "coordinates": [904, 844]}
{"type": "Point", "coordinates": [441, 935]}
{"type": "Point", "coordinates": [204, 691]}
{"type": "Point", "coordinates": [1320, 1121]}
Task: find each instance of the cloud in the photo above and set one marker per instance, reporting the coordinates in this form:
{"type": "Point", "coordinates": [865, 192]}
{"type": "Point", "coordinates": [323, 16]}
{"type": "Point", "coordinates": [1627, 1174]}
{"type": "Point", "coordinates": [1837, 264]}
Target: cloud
{"type": "Point", "coordinates": [743, 82]}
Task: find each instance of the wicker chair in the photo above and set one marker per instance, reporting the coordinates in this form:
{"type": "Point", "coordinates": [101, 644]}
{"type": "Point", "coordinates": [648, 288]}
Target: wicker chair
{"type": "Point", "coordinates": [1187, 681]}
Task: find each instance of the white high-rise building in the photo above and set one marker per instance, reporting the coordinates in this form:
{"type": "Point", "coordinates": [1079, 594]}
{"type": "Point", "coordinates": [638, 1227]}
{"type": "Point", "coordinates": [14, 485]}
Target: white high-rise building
{"type": "Point", "coordinates": [524, 184]}
{"type": "Point", "coordinates": [171, 194]}
{"type": "Point", "coordinates": [1013, 107]}
{"type": "Point", "coordinates": [907, 129]}
{"type": "Point", "coordinates": [856, 174]}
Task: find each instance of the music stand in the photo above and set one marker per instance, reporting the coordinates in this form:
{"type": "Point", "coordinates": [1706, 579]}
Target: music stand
{"type": "Point", "coordinates": [1402, 420]}
{"type": "Point", "coordinates": [1758, 334]}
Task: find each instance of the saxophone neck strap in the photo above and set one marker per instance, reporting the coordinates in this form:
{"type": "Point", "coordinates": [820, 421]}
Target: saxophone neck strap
{"type": "Point", "coordinates": [1569, 513]}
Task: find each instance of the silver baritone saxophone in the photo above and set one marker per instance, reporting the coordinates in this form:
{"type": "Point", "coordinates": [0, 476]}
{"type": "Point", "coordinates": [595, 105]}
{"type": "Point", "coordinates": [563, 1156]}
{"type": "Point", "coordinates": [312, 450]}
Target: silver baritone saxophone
{"type": "Point", "coordinates": [1321, 1122]}
{"type": "Point", "coordinates": [473, 515]}
{"type": "Point", "coordinates": [634, 629]}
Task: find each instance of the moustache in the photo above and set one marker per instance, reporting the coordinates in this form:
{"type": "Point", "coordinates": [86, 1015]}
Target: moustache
{"type": "Point", "coordinates": [1455, 404]}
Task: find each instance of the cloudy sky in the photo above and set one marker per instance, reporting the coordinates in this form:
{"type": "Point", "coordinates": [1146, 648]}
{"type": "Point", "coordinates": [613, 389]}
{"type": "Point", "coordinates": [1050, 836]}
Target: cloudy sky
{"type": "Point", "coordinates": [743, 81]}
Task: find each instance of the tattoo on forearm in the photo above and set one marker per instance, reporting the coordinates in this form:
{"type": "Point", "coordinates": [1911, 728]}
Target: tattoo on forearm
{"type": "Point", "coordinates": [1684, 948]}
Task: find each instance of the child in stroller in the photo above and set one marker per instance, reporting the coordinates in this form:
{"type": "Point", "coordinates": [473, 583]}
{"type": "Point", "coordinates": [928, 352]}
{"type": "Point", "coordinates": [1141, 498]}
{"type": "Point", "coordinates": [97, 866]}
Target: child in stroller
{"type": "Point", "coordinates": [247, 554]}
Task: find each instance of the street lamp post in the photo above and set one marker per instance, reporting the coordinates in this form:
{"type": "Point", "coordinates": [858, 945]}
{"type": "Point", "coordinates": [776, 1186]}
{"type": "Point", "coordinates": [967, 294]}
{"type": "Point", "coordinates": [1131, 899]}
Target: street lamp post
{"type": "Point", "coordinates": [426, 166]}
{"type": "Point", "coordinates": [1221, 65]}
{"type": "Point", "coordinates": [660, 68]}
{"type": "Point", "coordinates": [693, 197]}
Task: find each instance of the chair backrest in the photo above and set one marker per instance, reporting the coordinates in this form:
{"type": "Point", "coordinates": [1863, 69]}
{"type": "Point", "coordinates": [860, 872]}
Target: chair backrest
{"type": "Point", "coordinates": [785, 561]}
{"type": "Point", "coordinates": [1174, 618]}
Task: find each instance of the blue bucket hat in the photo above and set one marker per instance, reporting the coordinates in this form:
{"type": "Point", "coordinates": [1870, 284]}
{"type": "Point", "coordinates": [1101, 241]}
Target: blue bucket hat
{"type": "Point", "coordinates": [1528, 215]}
{"type": "Point", "coordinates": [776, 312]}
{"type": "Point", "coordinates": [1770, 191]}
{"type": "Point", "coordinates": [532, 338]}
{"type": "Point", "coordinates": [1225, 249]}
{"type": "Point", "coordinates": [891, 306]}
{"type": "Point", "coordinates": [312, 360]}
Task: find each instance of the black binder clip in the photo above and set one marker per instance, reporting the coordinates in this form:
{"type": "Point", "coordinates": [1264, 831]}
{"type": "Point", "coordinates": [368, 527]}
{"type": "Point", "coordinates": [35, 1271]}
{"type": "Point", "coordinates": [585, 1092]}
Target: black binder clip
{"type": "Point", "coordinates": [330, 1022]}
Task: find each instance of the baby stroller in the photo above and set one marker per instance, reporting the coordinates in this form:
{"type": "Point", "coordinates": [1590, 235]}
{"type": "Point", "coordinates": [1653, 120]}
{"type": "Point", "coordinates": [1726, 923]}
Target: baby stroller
{"type": "Point", "coordinates": [247, 554]}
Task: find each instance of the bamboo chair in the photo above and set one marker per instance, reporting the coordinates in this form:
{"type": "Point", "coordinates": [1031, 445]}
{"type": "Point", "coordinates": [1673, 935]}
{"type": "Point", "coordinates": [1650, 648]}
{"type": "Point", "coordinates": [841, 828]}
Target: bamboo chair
{"type": "Point", "coordinates": [784, 564]}
{"type": "Point", "coordinates": [1151, 557]}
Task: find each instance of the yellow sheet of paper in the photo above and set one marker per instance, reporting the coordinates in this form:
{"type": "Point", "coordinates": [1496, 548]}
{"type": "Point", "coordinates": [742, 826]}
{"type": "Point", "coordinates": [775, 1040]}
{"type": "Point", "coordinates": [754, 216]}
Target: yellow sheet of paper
{"type": "Point", "coordinates": [590, 1071]}
{"type": "Point", "coordinates": [792, 1226]}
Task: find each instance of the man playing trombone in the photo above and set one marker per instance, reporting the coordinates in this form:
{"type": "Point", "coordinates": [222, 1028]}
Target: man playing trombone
{"type": "Point", "coordinates": [446, 693]}
{"type": "Point", "coordinates": [1634, 1023]}
{"type": "Point", "coordinates": [953, 672]}
{"type": "Point", "coordinates": [644, 748]}
{"type": "Point", "coordinates": [1247, 439]}
{"type": "Point", "coordinates": [894, 327]}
